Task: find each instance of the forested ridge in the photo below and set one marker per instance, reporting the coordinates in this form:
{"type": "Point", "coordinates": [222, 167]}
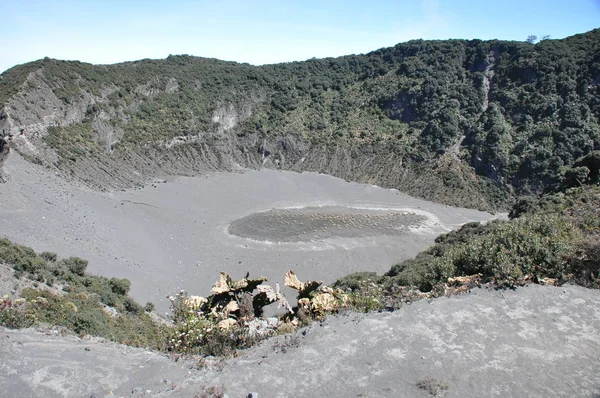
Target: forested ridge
{"type": "Point", "coordinates": [470, 122]}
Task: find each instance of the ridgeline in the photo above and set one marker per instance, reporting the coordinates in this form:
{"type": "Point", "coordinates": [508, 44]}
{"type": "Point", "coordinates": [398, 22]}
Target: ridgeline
{"type": "Point", "coordinates": [470, 123]}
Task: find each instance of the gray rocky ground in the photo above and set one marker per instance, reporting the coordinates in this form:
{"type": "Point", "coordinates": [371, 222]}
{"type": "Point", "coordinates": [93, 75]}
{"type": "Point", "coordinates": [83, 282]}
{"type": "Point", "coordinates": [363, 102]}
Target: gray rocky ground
{"type": "Point", "coordinates": [175, 235]}
{"type": "Point", "coordinates": [532, 342]}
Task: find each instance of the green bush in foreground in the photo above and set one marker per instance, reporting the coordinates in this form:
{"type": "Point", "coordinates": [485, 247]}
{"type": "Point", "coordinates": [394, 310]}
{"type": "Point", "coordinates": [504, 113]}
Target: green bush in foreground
{"type": "Point", "coordinates": [66, 274]}
{"type": "Point", "coordinates": [538, 247]}
{"type": "Point", "coordinates": [14, 315]}
{"type": "Point", "coordinates": [217, 325]}
{"type": "Point", "coordinates": [84, 314]}
{"type": "Point", "coordinates": [556, 236]}
{"type": "Point", "coordinates": [75, 300]}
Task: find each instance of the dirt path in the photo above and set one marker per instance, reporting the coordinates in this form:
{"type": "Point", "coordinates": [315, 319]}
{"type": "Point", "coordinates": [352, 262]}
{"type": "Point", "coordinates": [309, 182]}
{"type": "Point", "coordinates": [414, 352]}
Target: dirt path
{"type": "Point", "coordinates": [535, 341]}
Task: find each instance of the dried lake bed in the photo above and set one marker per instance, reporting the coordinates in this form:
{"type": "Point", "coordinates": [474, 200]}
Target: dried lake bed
{"type": "Point", "coordinates": [305, 224]}
{"type": "Point", "coordinates": [180, 232]}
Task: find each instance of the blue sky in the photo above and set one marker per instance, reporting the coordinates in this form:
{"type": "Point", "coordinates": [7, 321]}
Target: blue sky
{"type": "Point", "coordinates": [260, 32]}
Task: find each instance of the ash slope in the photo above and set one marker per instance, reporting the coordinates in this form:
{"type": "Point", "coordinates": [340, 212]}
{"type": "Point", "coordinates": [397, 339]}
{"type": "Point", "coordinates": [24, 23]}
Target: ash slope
{"type": "Point", "coordinates": [174, 235]}
{"type": "Point", "coordinates": [533, 341]}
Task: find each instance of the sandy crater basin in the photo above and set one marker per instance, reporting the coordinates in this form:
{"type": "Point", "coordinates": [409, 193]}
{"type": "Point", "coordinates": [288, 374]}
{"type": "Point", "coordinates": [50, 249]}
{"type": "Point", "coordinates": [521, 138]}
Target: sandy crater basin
{"type": "Point", "coordinates": [180, 233]}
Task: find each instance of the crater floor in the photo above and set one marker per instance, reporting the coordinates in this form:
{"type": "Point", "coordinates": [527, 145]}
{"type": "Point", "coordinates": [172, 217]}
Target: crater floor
{"type": "Point", "coordinates": [178, 233]}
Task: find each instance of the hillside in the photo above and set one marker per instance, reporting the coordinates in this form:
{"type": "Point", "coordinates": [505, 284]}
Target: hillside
{"type": "Point", "coordinates": [471, 123]}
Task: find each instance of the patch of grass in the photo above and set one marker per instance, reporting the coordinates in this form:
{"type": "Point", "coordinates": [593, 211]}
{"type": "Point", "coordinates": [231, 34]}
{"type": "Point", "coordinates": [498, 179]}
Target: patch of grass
{"type": "Point", "coordinates": [211, 392]}
{"type": "Point", "coordinates": [434, 387]}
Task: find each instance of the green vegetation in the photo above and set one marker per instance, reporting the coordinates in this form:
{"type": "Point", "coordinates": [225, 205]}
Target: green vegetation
{"type": "Point", "coordinates": [12, 79]}
{"type": "Point", "coordinates": [58, 292]}
{"type": "Point", "coordinates": [552, 240]}
{"type": "Point", "coordinates": [71, 142]}
{"type": "Point", "coordinates": [62, 294]}
{"type": "Point", "coordinates": [396, 116]}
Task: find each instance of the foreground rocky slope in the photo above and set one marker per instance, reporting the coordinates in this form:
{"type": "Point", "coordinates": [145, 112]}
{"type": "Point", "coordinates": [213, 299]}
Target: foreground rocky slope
{"type": "Point", "coordinates": [533, 341]}
{"type": "Point", "coordinates": [463, 122]}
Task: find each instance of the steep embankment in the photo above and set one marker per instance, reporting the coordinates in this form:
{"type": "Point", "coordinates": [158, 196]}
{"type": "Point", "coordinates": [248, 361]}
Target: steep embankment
{"type": "Point", "coordinates": [462, 122]}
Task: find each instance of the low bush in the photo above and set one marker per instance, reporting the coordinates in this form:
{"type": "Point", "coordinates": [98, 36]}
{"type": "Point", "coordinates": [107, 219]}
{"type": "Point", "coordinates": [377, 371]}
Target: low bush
{"type": "Point", "coordinates": [356, 280]}
{"type": "Point", "coordinates": [49, 256]}
{"type": "Point", "coordinates": [22, 258]}
{"type": "Point", "coordinates": [83, 314]}
{"type": "Point", "coordinates": [13, 314]}
{"type": "Point", "coordinates": [75, 265]}
{"type": "Point", "coordinates": [537, 247]}
{"type": "Point", "coordinates": [551, 239]}
{"type": "Point", "coordinates": [80, 306]}
{"type": "Point", "coordinates": [119, 286]}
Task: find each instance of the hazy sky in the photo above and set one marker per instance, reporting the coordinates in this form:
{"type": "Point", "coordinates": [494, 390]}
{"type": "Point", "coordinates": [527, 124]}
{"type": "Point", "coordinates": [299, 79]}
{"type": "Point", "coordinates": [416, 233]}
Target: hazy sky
{"type": "Point", "coordinates": [259, 32]}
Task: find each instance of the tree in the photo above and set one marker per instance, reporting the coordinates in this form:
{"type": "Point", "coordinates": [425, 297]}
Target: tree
{"type": "Point", "coordinates": [531, 39]}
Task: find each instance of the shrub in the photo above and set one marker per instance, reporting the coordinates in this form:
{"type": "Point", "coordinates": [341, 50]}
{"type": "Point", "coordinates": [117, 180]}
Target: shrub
{"type": "Point", "coordinates": [131, 306]}
{"type": "Point", "coordinates": [365, 291]}
{"type": "Point", "coordinates": [535, 246]}
{"type": "Point", "coordinates": [49, 256]}
{"type": "Point", "coordinates": [14, 315]}
{"type": "Point", "coordinates": [356, 280]}
{"type": "Point", "coordinates": [109, 298]}
{"type": "Point", "coordinates": [585, 266]}
{"type": "Point", "coordinates": [203, 337]}
{"type": "Point", "coordinates": [89, 321]}
{"type": "Point", "coordinates": [119, 286]}
{"type": "Point", "coordinates": [21, 258]}
{"type": "Point", "coordinates": [83, 314]}
{"type": "Point", "coordinates": [76, 265]}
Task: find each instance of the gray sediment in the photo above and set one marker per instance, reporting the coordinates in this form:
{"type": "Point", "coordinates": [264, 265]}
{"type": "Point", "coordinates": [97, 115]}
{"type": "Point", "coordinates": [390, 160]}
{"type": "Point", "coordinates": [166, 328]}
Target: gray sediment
{"type": "Point", "coordinates": [180, 232]}
{"type": "Point", "coordinates": [307, 224]}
